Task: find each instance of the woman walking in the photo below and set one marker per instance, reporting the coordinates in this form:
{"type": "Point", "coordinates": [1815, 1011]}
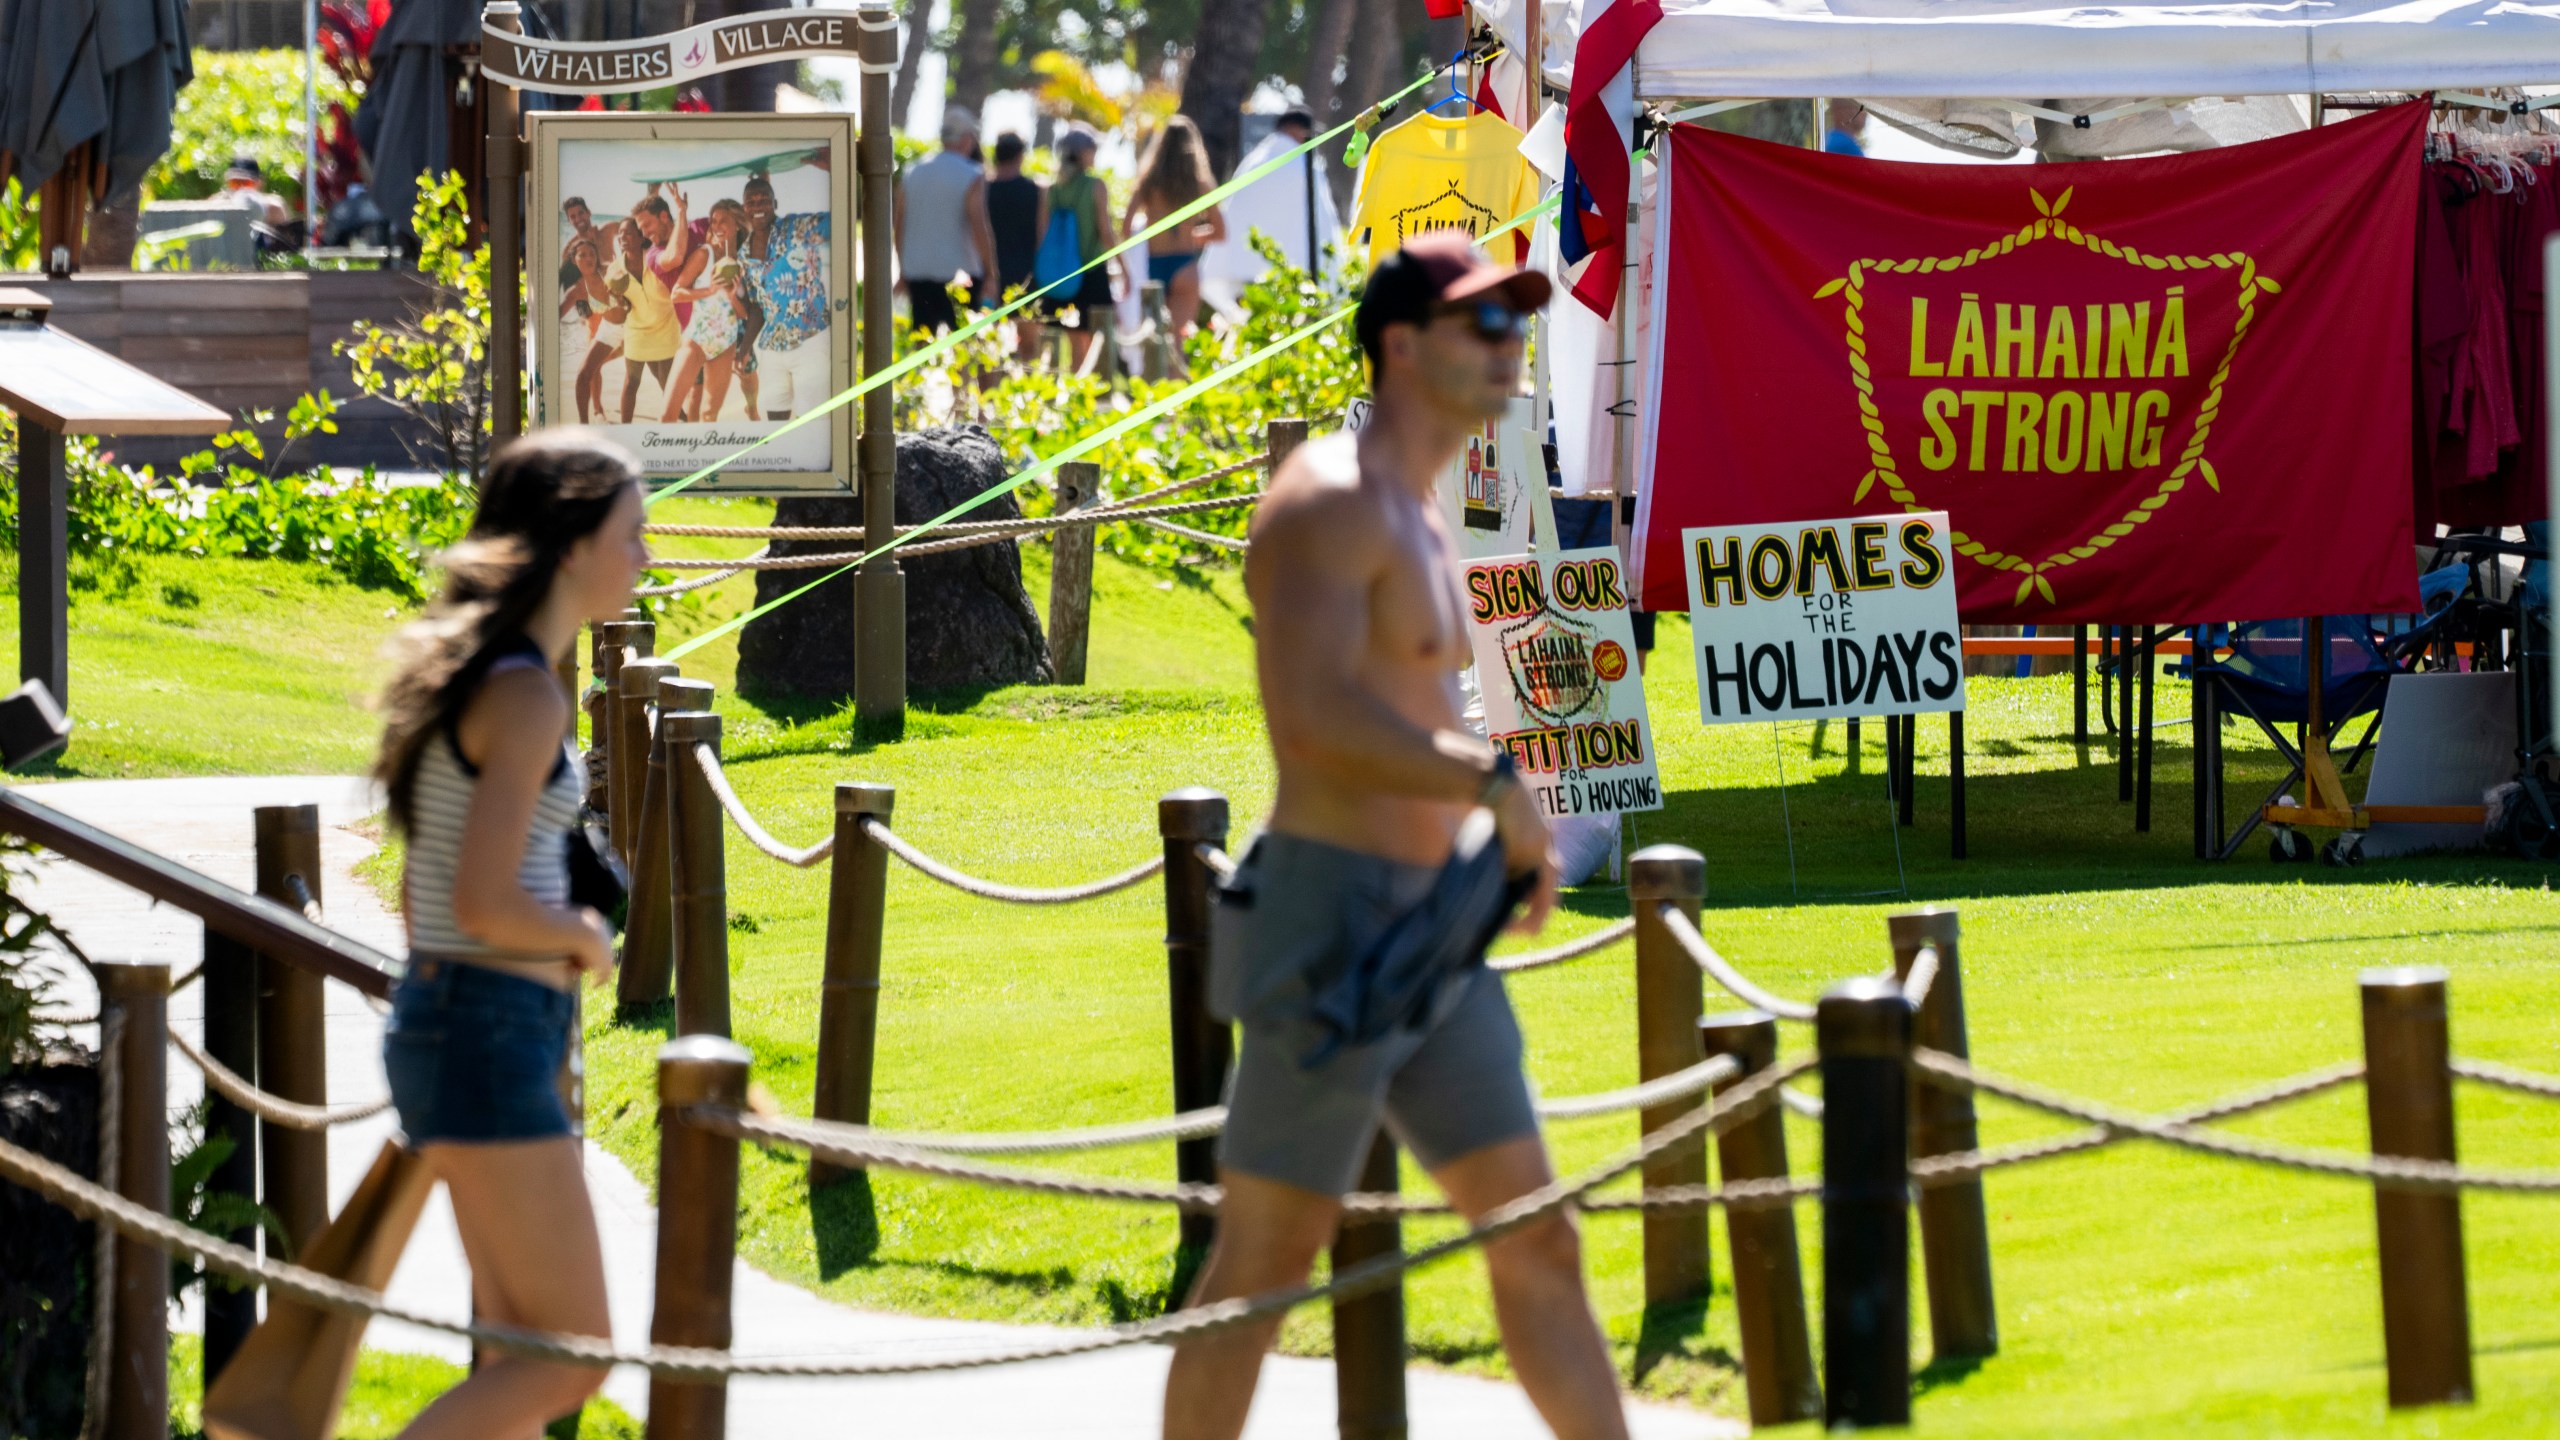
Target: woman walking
{"type": "Point", "coordinates": [484, 787]}
{"type": "Point", "coordinates": [1079, 208]}
{"type": "Point", "coordinates": [1175, 173]}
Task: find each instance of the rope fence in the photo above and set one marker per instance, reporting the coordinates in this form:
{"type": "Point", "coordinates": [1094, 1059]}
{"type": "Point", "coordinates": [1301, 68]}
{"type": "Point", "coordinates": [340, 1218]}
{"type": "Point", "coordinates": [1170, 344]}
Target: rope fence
{"type": "Point", "coordinates": [274, 1109]}
{"type": "Point", "coordinates": [1684, 932]}
{"type": "Point", "coordinates": [983, 889]}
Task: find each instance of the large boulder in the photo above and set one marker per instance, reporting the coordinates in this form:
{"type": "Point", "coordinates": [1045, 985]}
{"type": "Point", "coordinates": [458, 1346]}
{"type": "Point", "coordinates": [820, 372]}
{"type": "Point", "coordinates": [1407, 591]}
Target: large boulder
{"type": "Point", "coordinates": [969, 623]}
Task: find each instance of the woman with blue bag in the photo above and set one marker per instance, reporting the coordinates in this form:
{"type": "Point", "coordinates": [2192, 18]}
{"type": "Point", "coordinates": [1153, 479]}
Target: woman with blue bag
{"type": "Point", "coordinates": [1079, 229]}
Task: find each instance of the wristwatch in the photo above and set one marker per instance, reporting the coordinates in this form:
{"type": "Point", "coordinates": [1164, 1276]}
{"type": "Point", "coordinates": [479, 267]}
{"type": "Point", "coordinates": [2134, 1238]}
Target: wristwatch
{"type": "Point", "coordinates": [1499, 779]}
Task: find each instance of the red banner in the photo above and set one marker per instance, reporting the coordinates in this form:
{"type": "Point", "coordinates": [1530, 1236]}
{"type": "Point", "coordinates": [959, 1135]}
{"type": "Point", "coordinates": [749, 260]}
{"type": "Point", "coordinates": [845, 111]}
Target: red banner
{"type": "Point", "coordinates": [2172, 390]}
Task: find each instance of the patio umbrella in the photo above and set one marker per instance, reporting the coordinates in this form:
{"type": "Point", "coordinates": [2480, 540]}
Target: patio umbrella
{"type": "Point", "coordinates": [416, 119]}
{"type": "Point", "coordinates": [86, 87]}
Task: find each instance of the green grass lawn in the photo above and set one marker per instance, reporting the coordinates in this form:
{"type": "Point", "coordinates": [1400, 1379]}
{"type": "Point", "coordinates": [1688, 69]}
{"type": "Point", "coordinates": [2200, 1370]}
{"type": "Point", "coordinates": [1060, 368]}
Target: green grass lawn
{"type": "Point", "coordinates": [390, 1389]}
{"type": "Point", "coordinates": [2140, 1290]}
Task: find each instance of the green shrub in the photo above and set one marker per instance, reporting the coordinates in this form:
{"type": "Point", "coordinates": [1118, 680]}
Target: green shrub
{"type": "Point", "coordinates": [242, 102]}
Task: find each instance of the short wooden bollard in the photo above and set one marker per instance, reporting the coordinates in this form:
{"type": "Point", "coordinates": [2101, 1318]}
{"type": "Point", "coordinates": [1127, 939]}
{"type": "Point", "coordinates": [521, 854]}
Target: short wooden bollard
{"type": "Point", "coordinates": [1768, 1272]}
{"type": "Point", "coordinates": [648, 937]}
{"type": "Point", "coordinates": [2408, 1088]}
{"type": "Point", "coordinates": [1280, 439]}
{"type": "Point", "coordinates": [293, 1041]}
{"type": "Point", "coordinates": [1863, 1027]}
{"type": "Point", "coordinates": [230, 988]}
{"type": "Point", "coordinates": [849, 995]}
{"type": "Point", "coordinates": [1955, 1238]}
{"type": "Point", "coordinates": [133, 998]}
{"type": "Point", "coordinates": [1203, 1047]}
{"type": "Point", "coordinates": [1071, 572]}
{"type": "Point", "coordinates": [1368, 1332]}
{"type": "Point", "coordinates": [635, 689]}
{"type": "Point", "coordinates": [1670, 993]}
{"type": "Point", "coordinates": [699, 907]}
{"type": "Point", "coordinates": [615, 642]}
{"type": "Point", "coordinates": [1155, 357]}
{"type": "Point", "coordinates": [697, 1229]}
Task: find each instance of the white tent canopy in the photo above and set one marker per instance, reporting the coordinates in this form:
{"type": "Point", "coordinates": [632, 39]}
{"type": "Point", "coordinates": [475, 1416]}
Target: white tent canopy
{"type": "Point", "coordinates": [2006, 48]}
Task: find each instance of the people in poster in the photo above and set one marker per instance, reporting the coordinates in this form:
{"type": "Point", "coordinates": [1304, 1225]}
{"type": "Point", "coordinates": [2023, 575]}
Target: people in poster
{"type": "Point", "coordinates": [707, 315]}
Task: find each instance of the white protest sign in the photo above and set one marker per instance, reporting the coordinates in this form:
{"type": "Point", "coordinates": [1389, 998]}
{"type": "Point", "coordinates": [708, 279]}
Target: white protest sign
{"type": "Point", "coordinates": [1818, 618]}
{"type": "Point", "coordinates": [1488, 494]}
{"type": "Point", "coordinates": [1555, 654]}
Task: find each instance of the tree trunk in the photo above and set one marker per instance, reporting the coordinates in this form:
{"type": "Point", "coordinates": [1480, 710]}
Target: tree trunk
{"type": "Point", "coordinates": [1377, 58]}
{"type": "Point", "coordinates": [750, 91]}
{"type": "Point", "coordinates": [902, 86]}
{"type": "Point", "coordinates": [973, 60]}
{"type": "Point", "coordinates": [1327, 50]}
{"type": "Point", "coordinates": [1221, 76]}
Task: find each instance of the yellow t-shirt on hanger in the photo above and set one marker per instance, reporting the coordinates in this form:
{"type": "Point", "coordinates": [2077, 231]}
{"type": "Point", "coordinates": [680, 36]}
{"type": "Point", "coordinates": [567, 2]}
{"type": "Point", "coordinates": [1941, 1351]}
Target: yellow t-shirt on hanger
{"type": "Point", "coordinates": [1436, 172]}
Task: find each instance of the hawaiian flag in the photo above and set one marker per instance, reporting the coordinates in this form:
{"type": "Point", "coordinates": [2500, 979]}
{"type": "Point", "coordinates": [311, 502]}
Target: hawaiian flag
{"type": "Point", "coordinates": [1599, 131]}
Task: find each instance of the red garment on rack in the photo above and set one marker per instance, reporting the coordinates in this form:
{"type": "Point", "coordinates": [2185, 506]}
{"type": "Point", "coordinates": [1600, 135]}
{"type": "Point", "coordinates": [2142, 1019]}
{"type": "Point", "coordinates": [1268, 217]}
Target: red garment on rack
{"type": "Point", "coordinates": [2483, 425]}
{"type": "Point", "coordinates": [2484, 397]}
{"type": "Point", "coordinates": [2442, 324]}
{"type": "Point", "coordinates": [2519, 491]}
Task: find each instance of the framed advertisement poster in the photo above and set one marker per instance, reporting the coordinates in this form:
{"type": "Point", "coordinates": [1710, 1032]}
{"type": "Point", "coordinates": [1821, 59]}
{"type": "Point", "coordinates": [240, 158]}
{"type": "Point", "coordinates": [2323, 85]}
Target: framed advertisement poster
{"type": "Point", "coordinates": [688, 294]}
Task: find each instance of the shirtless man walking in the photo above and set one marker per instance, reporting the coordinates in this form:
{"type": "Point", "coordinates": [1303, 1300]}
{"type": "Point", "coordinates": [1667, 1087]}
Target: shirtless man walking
{"type": "Point", "coordinates": [1349, 942]}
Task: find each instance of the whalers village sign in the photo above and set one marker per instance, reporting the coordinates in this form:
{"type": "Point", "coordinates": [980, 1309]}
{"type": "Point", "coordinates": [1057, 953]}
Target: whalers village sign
{"type": "Point", "coordinates": [656, 61]}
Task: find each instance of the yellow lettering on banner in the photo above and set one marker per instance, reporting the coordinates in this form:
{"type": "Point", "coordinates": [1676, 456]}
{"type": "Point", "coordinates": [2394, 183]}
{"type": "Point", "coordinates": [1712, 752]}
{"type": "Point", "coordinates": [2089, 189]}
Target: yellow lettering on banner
{"type": "Point", "coordinates": [2061, 347]}
{"type": "Point", "coordinates": [1980, 403]}
{"type": "Point", "coordinates": [2110, 415]}
{"type": "Point", "coordinates": [2096, 333]}
{"type": "Point", "coordinates": [1938, 447]}
{"type": "Point", "coordinates": [1921, 364]}
{"type": "Point", "coordinates": [2128, 331]}
{"type": "Point", "coordinates": [1969, 355]}
{"type": "Point", "coordinates": [2018, 339]}
{"type": "Point", "coordinates": [2064, 421]}
{"type": "Point", "coordinates": [2170, 357]}
{"type": "Point", "coordinates": [2018, 449]}
{"type": "Point", "coordinates": [2150, 422]}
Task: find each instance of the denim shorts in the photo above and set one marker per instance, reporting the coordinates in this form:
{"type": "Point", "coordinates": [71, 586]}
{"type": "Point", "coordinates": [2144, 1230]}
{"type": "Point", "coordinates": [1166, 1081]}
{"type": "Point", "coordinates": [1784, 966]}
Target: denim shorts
{"type": "Point", "coordinates": [475, 1054]}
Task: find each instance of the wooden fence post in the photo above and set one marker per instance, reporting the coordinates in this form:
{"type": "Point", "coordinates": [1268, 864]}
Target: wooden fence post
{"type": "Point", "coordinates": [635, 688]}
{"type": "Point", "coordinates": [648, 936]}
{"type": "Point", "coordinates": [133, 998]}
{"type": "Point", "coordinates": [849, 995]}
{"type": "Point", "coordinates": [2408, 1089]}
{"type": "Point", "coordinates": [230, 988]}
{"type": "Point", "coordinates": [1071, 573]}
{"type": "Point", "coordinates": [1156, 356]}
{"type": "Point", "coordinates": [1863, 1027]}
{"type": "Point", "coordinates": [699, 907]}
{"type": "Point", "coordinates": [1955, 1239]}
{"type": "Point", "coordinates": [1203, 1047]}
{"type": "Point", "coordinates": [1280, 438]}
{"type": "Point", "coordinates": [697, 1229]}
{"type": "Point", "coordinates": [1368, 1333]}
{"type": "Point", "coordinates": [293, 1036]}
{"type": "Point", "coordinates": [1768, 1273]}
{"type": "Point", "coordinates": [1669, 996]}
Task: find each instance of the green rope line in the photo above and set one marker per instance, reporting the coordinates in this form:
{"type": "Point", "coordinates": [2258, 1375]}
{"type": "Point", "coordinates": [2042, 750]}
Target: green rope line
{"type": "Point", "coordinates": [980, 325]}
{"type": "Point", "coordinates": [1081, 448]}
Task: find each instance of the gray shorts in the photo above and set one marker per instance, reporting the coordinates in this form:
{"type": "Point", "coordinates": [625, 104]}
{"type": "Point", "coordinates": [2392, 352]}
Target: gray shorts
{"type": "Point", "coordinates": [1297, 913]}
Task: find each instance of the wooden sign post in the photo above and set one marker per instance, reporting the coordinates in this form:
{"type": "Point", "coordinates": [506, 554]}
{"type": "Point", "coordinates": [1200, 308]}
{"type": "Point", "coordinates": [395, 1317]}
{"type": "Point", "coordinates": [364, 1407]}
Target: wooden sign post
{"type": "Point", "coordinates": [57, 386]}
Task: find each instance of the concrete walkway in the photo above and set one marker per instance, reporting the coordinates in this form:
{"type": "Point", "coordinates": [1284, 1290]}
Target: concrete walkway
{"type": "Point", "coordinates": [206, 823]}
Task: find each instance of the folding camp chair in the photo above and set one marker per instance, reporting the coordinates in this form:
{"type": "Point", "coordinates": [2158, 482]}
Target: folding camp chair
{"type": "Point", "coordinates": [2260, 672]}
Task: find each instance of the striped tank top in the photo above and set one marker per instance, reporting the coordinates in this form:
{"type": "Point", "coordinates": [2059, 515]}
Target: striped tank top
{"type": "Point", "coordinates": [440, 802]}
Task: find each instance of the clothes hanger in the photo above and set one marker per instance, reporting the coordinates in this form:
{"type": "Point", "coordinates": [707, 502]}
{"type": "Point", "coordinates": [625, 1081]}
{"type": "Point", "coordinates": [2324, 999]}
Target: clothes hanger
{"type": "Point", "coordinates": [1457, 63]}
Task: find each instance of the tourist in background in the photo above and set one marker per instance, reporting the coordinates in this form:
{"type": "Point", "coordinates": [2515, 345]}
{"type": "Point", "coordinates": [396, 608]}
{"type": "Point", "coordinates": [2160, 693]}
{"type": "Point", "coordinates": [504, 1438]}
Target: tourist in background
{"type": "Point", "coordinates": [1079, 220]}
{"type": "Point", "coordinates": [1843, 122]}
{"type": "Point", "coordinates": [1293, 205]}
{"type": "Point", "coordinates": [1174, 173]}
{"type": "Point", "coordinates": [1017, 213]}
{"type": "Point", "coordinates": [942, 226]}
{"type": "Point", "coordinates": [479, 766]}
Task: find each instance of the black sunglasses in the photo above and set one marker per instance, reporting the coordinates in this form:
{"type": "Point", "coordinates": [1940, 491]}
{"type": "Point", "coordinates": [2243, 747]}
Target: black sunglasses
{"type": "Point", "coordinates": [1493, 321]}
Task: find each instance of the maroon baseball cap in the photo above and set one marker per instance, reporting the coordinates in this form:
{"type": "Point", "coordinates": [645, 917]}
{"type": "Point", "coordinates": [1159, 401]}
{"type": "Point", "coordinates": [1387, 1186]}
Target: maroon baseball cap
{"type": "Point", "coordinates": [1433, 269]}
